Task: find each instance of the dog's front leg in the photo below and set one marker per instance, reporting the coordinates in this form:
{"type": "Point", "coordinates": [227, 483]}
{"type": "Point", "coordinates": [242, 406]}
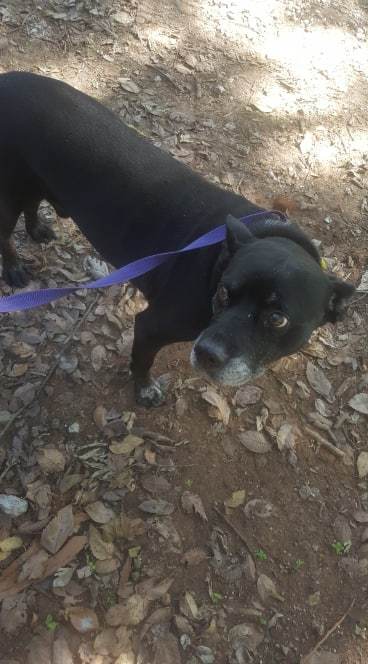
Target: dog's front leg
{"type": "Point", "coordinates": [147, 342]}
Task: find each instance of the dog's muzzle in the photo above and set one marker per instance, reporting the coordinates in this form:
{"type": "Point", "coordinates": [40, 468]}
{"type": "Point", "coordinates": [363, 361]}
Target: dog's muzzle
{"type": "Point", "coordinates": [212, 359]}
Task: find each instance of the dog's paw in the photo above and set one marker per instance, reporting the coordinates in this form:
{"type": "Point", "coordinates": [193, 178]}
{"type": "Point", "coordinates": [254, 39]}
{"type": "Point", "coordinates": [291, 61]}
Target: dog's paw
{"type": "Point", "coordinates": [17, 276]}
{"type": "Point", "coordinates": [150, 395]}
{"type": "Point", "coordinates": [42, 233]}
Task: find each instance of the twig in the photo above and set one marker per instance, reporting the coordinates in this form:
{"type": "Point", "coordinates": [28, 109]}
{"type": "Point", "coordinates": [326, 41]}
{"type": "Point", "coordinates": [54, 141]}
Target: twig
{"type": "Point", "coordinates": [324, 443]}
{"type": "Point", "coordinates": [328, 634]}
{"type": "Point", "coordinates": [52, 370]}
{"type": "Point", "coordinates": [152, 435]}
{"type": "Point", "coordinates": [234, 528]}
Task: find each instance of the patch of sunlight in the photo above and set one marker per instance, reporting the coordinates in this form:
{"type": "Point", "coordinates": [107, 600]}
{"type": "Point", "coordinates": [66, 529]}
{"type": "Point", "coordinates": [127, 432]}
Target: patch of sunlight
{"type": "Point", "coordinates": [126, 658]}
{"type": "Point", "coordinates": [310, 67]}
{"type": "Point", "coordinates": [158, 37]}
{"type": "Point", "coordinates": [329, 53]}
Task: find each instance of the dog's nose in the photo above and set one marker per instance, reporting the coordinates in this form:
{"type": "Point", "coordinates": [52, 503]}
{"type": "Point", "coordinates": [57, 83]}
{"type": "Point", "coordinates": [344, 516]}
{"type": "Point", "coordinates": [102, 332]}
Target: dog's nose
{"type": "Point", "coordinates": [209, 356]}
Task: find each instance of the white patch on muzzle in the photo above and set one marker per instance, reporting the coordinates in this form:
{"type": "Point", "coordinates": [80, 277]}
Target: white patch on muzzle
{"type": "Point", "coordinates": [234, 372]}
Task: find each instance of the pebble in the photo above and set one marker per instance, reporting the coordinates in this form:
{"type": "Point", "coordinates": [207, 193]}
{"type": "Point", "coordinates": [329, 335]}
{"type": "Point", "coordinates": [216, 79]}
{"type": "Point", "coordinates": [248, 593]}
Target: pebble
{"type": "Point", "coordinates": [12, 505]}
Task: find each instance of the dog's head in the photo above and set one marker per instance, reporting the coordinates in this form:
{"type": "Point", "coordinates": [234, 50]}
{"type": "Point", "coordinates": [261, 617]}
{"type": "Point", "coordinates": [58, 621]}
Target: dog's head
{"type": "Point", "coordinates": [271, 295]}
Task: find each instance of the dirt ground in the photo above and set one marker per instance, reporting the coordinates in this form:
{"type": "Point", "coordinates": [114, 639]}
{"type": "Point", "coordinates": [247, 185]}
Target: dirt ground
{"type": "Point", "coordinates": [194, 541]}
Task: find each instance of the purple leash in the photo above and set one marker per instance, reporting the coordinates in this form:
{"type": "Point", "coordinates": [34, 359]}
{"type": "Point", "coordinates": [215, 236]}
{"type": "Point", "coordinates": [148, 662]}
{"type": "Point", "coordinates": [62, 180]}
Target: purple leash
{"type": "Point", "coordinates": [36, 298]}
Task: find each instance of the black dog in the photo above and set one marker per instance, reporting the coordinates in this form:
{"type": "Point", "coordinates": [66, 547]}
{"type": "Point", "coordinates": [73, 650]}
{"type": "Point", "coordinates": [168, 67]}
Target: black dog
{"type": "Point", "coordinates": [247, 302]}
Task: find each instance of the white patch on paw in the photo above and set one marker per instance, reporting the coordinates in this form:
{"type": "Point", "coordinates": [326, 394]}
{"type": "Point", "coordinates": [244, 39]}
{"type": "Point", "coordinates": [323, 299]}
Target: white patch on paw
{"type": "Point", "coordinates": [150, 392]}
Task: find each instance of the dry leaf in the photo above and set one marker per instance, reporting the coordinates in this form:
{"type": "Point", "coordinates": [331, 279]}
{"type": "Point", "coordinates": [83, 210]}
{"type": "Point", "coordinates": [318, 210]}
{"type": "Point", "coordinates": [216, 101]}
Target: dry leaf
{"type": "Point", "coordinates": [236, 499]}
{"type": "Point", "coordinates": [8, 581]}
{"type": "Point", "coordinates": [60, 528]}
{"type": "Point", "coordinates": [51, 460]}
{"type": "Point", "coordinates": [360, 403]}
{"type": "Point", "coordinates": [126, 446]}
{"type": "Point", "coordinates": [342, 530]}
{"type": "Point", "coordinates": [101, 550]}
{"type": "Point", "coordinates": [132, 612]}
{"type": "Point", "coordinates": [258, 507]}
{"type": "Point", "coordinates": [84, 620]}
{"type": "Point", "coordinates": [245, 636]}
{"type": "Point", "coordinates": [322, 657]}
{"type": "Point", "coordinates": [98, 357]}
{"type": "Point", "coordinates": [286, 437]}
{"type": "Point", "coordinates": [129, 85]}
{"type": "Point", "coordinates": [62, 577]}
{"type": "Point", "coordinates": [255, 441]}
{"type": "Point", "coordinates": [99, 417]}
{"type": "Point", "coordinates": [106, 642]}
{"type": "Point", "coordinates": [167, 650]}
{"type": "Point", "coordinates": [39, 650]}
{"type": "Point", "coordinates": [222, 407]}
{"type": "Point", "coordinates": [61, 652]}
{"type": "Point", "coordinates": [362, 465]}
{"type": "Point", "coordinates": [34, 567]}
{"type": "Point", "coordinates": [154, 592]}
{"type": "Point", "coordinates": [107, 566]}
{"type": "Point", "coordinates": [13, 614]}
{"type": "Point", "coordinates": [314, 599]}
{"type": "Point", "coordinates": [188, 606]}
{"type": "Point", "coordinates": [194, 556]}
{"type": "Point", "coordinates": [319, 381]}
{"type": "Point", "coordinates": [8, 545]}
{"type": "Point", "coordinates": [267, 589]}
{"type": "Point", "coordinates": [160, 507]}
{"type": "Point", "coordinates": [40, 493]}
{"type": "Point", "coordinates": [23, 350]}
{"type": "Point", "coordinates": [67, 482]}
{"type": "Point", "coordinates": [192, 503]}
{"type": "Point", "coordinates": [247, 396]}
{"type": "Point", "coordinates": [363, 286]}
{"type": "Point", "coordinates": [123, 527]}
{"type": "Point", "coordinates": [155, 484]}
{"type": "Point", "coordinates": [98, 512]}
{"type": "Point", "coordinates": [158, 617]}
{"type": "Point", "coordinates": [122, 17]}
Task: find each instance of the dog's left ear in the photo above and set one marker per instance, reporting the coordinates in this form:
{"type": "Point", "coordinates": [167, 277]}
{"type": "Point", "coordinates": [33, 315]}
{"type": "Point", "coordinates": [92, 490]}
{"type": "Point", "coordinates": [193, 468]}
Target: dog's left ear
{"type": "Point", "coordinates": [341, 292]}
{"type": "Point", "coordinates": [236, 234]}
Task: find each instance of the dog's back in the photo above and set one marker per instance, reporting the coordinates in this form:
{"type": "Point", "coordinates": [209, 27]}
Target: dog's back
{"type": "Point", "coordinates": [107, 177]}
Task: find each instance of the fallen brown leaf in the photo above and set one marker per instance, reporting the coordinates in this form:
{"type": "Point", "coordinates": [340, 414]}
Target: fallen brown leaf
{"type": "Point", "coordinates": [191, 502]}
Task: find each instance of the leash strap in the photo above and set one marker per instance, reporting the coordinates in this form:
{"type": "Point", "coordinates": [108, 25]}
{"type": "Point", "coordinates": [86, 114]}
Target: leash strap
{"type": "Point", "coordinates": [37, 298]}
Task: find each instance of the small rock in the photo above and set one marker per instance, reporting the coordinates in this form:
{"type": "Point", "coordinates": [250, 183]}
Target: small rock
{"type": "Point", "coordinates": [74, 428]}
{"type": "Point", "coordinates": [12, 505]}
{"type": "Point", "coordinates": [68, 363]}
{"type": "Point", "coordinates": [205, 654]}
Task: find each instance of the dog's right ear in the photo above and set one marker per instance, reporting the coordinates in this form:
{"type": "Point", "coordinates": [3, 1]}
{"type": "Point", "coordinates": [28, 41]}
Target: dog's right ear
{"type": "Point", "coordinates": [237, 234]}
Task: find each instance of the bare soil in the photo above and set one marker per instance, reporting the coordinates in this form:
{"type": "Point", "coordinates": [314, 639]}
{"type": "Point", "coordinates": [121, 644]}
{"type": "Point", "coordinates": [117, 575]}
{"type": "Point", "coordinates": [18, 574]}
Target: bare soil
{"type": "Point", "coordinates": [269, 99]}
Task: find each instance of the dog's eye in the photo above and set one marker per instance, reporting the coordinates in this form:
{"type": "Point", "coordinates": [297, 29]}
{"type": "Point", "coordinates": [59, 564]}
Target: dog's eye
{"type": "Point", "coordinates": [223, 296]}
{"type": "Point", "coordinates": [278, 320]}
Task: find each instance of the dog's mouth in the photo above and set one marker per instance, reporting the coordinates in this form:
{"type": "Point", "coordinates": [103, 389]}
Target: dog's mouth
{"type": "Point", "coordinates": [211, 360]}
